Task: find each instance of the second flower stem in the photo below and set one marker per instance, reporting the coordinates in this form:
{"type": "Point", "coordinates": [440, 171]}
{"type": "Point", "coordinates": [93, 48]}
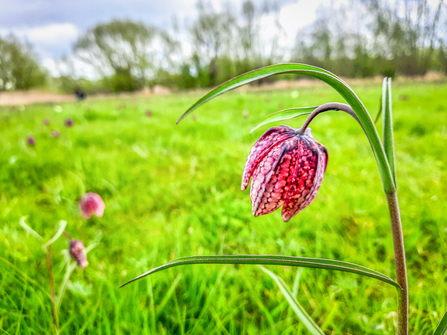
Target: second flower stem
{"type": "Point", "coordinates": [53, 293]}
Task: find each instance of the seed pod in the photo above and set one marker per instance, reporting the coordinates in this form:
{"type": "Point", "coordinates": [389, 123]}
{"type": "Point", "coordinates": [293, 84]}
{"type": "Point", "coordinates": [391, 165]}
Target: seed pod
{"type": "Point", "coordinates": [77, 251]}
{"type": "Point", "coordinates": [91, 204]}
{"type": "Point", "coordinates": [287, 170]}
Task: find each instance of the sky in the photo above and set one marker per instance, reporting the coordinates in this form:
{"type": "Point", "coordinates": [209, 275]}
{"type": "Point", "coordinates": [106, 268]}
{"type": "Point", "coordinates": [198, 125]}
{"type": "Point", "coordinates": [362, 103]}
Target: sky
{"type": "Point", "coordinates": [52, 26]}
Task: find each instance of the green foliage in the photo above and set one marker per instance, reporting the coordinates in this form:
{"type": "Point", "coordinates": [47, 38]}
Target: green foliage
{"type": "Point", "coordinates": [442, 327]}
{"type": "Point", "coordinates": [121, 48]}
{"type": "Point", "coordinates": [19, 67]}
{"type": "Point", "coordinates": [174, 191]}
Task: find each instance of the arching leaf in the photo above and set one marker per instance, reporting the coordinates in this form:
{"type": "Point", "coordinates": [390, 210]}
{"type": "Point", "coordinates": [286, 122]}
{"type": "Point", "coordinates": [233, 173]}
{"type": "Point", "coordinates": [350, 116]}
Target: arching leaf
{"type": "Point", "coordinates": [318, 263]}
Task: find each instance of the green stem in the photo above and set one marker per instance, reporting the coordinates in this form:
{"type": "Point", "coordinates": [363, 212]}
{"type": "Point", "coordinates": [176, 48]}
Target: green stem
{"type": "Point", "coordinates": [399, 258]}
{"type": "Point", "coordinates": [331, 106]}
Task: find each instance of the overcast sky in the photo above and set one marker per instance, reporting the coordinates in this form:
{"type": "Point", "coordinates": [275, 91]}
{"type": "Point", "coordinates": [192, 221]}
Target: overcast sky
{"type": "Point", "coordinates": [53, 25]}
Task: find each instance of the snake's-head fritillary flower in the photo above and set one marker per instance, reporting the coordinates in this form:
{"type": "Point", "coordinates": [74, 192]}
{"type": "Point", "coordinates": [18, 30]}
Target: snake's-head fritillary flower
{"type": "Point", "coordinates": [55, 134]}
{"type": "Point", "coordinates": [287, 169]}
{"type": "Point", "coordinates": [31, 141]}
{"type": "Point", "coordinates": [46, 122]}
{"type": "Point", "coordinates": [91, 204]}
{"type": "Point", "coordinates": [77, 251]}
{"type": "Point", "coordinates": [149, 113]}
{"type": "Point", "coordinates": [69, 122]}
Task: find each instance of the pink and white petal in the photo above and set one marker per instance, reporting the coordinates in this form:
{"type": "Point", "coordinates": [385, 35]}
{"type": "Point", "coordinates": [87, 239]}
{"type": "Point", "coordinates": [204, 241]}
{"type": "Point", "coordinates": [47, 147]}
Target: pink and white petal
{"type": "Point", "coordinates": [303, 181]}
{"type": "Point", "coordinates": [263, 145]}
{"type": "Point", "coordinates": [321, 169]}
{"type": "Point", "coordinates": [323, 151]}
{"type": "Point", "coordinates": [277, 186]}
{"type": "Point", "coordinates": [263, 174]}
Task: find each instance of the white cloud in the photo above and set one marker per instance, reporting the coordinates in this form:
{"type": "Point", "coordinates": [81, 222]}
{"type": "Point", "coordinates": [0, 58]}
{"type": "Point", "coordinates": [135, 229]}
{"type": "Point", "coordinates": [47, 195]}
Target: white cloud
{"type": "Point", "coordinates": [50, 35]}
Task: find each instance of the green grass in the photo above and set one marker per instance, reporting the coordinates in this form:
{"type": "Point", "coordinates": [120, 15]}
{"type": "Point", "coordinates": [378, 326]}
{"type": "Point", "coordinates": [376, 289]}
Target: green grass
{"type": "Point", "coordinates": [174, 191]}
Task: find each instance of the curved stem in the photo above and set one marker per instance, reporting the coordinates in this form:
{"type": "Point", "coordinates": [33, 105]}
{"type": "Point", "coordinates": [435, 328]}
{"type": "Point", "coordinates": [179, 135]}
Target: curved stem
{"type": "Point", "coordinates": [399, 258]}
{"type": "Point", "coordinates": [396, 224]}
{"type": "Point", "coordinates": [67, 235]}
{"type": "Point", "coordinates": [331, 106]}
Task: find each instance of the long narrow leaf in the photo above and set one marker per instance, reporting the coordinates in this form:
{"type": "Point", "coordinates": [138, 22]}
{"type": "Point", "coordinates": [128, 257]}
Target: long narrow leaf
{"type": "Point", "coordinates": [380, 109]}
{"type": "Point", "coordinates": [338, 84]}
{"type": "Point", "coordinates": [305, 318]}
{"type": "Point", "coordinates": [442, 326]}
{"type": "Point", "coordinates": [388, 141]}
{"type": "Point", "coordinates": [285, 114]}
{"type": "Point", "coordinates": [274, 260]}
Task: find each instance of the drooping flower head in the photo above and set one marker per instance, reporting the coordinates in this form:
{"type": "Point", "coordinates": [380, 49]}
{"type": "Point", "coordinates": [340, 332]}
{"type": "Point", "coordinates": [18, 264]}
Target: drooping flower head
{"type": "Point", "coordinates": [149, 113]}
{"type": "Point", "coordinates": [69, 122]}
{"type": "Point", "coordinates": [55, 133]}
{"type": "Point", "coordinates": [31, 141]}
{"type": "Point", "coordinates": [77, 251]}
{"type": "Point", "coordinates": [91, 204]}
{"type": "Point", "coordinates": [46, 122]}
{"type": "Point", "coordinates": [287, 169]}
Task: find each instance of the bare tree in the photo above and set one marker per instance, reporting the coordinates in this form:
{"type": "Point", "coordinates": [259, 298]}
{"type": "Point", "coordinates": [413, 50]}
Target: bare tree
{"type": "Point", "coordinates": [124, 49]}
{"type": "Point", "coordinates": [211, 34]}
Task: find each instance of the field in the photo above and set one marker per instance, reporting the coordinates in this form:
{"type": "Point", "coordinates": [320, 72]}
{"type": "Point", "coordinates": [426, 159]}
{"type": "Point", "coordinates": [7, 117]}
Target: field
{"type": "Point", "coordinates": [174, 191]}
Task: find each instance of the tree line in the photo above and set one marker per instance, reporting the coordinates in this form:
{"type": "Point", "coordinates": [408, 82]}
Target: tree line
{"type": "Point", "coordinates": [361, 39]}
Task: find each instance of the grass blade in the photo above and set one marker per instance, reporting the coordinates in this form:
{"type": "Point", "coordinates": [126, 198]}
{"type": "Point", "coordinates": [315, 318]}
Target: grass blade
{"type": "Point", "coordinates": [442, 326]}
{"type": "Point", "coordinates": [319, 263]}
{"type": "Point", "coordinates": [285, 114]}
{"type": "Point", "coordinates": [388, 140]}
{"type": "Point", "coordinates": [60, 231]}
{"type": "Point", "coordinates": [28, 229]}
{"type": "Point", "coordinates": [329, 78]}
{"type": "Point", "coordinates": [305, 318]}
{"type": "Point", "coordinates": [168, 295]}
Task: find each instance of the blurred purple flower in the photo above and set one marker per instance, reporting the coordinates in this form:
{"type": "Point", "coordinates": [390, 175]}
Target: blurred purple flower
{"type": "Point", "coordinates": [91, 204]}
{"type": "Point", "coordinates": [69, 122]}
{"type": "Point", "coordinates": [55, 134]}
{"type": "Point", "coordinates": [31, 141]}
{"type": "Point", "coordinates": [46, 122]}
{"type": "Point", "coordinates": [149, 113]}
{"type": "Point", "coordinates": [77, 251]}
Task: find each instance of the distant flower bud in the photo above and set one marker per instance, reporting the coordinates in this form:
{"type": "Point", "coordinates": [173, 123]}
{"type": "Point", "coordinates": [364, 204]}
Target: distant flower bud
{"type": "Point", "coordinates": [46, 122]}
{"type": "Point", "coordinates": [55, 133]}
{"type": "Point", "coordinates": [149, 113]}
{"type": "Point", "coordinates": [31, 141]}
{"type": "Point", "coordinates": [77, 251]}
{"type": "Point", "coordinates": [69, 122]}
{"type": "Point", "coordinates": [91, 204]}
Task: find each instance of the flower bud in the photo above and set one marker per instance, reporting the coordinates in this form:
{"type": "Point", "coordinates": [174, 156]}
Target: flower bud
{"type": "Point", "coordinates": [46, 122]}
{"type": "Point", "coordinates": [77, 251]}
{"type": "Point", "coordinates": [287, 170]}
{"type": "Point", "coordinates": [31, 141]}
{"type": "Point", "coordinates": [91, 204]}
{"type": "Point", "coordinates": [69, 122]}
{"type": "Point", "coordinates": [55, 133]}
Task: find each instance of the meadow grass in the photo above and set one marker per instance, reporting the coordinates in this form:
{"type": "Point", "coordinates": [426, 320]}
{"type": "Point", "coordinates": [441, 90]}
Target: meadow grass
{"type": "Point", "coordinates": [174, 191]}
